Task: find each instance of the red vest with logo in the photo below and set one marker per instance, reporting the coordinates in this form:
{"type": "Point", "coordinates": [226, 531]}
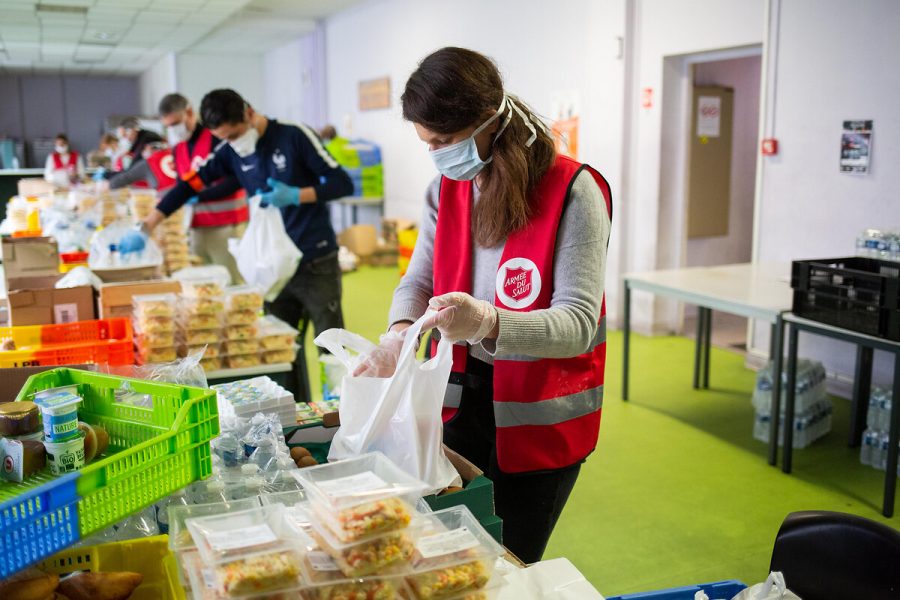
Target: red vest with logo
{"type": "Point", "coordinates": [162, 165]}
{"type": "Point", "coordinates": [227, 210]}
{"type": "Point", "coordinates": [71, 165]}
{"type": "Point", "coordinates": [546, 410]}
{"type": "Point", "coordinates": [119, 166]}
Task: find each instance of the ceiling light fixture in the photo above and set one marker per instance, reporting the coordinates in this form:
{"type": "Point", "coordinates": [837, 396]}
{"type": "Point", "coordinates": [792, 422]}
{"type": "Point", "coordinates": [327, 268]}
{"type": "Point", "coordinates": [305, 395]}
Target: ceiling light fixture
{"type": "Point", "coordinates": [103, 35]}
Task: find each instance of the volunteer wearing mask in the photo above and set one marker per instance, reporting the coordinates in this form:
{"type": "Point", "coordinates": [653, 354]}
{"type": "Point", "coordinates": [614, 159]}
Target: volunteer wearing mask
{"type": "Point", "coordinates": [64, 166]}
{"type": "Point", "coordinates": [511, 252]}
{"type": "Point", "coordinates": [156, 170]}
{"type": "Point", "coordinates": [132, 140]}
{"type": "Point", "coordinates": [298, 176]}
{"type": "Point", "coordinates": [221, 211]}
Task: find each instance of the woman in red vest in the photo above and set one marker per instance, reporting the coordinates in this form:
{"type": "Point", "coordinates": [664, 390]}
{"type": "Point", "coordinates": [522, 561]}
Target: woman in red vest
{"type": "Point", "coordinates": [64, 166]}
{"type": "Point", "coordinates": [511, 253]}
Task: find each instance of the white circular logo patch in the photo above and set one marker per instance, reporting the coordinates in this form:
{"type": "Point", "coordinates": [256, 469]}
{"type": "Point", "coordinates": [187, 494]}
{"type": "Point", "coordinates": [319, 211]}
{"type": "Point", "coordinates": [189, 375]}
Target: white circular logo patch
{"type": "Point", "coordinates": [167, 166]}
{"type": "Point", "coordinates": [518, 283]}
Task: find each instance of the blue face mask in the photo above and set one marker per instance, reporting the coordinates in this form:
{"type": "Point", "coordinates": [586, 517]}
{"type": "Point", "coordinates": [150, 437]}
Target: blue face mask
{"type": "Point", "coordinates": [460, 161]}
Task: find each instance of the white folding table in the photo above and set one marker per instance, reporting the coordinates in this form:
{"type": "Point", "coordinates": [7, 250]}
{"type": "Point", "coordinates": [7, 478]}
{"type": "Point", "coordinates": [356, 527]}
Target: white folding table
{"type": "Point", "coordinates": [754, 291]}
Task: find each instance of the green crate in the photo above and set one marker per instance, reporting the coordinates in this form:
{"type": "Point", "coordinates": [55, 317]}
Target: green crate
{"type": "Point", "coordinates": [477, 494]}
{"type": "Point", "coordinates": [152, 451]}
{"type": "Point", "coordinates": [494, 526]}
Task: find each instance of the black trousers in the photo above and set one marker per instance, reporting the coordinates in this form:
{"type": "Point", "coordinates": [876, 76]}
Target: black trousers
{"type": "Point", "coordinates": [529, 503]}
{"type": "Point", "coordinates": [313, 293]}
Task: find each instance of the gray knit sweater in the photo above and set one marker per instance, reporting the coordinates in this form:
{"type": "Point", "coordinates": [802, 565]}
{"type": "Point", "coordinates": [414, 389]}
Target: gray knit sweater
{"type": "Point", "coordinates": [563, 330]}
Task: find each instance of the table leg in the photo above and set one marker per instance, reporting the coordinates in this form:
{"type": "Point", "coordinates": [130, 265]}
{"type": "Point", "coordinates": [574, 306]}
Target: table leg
{"type": "Point", "coordinates": [626, 342]}
{"type": "Point", "coordinates": [790, 398]}
{"type": "Point", "coordinates": [890, 476]}
{"type": "Point", "coordinates": [707, 346]}
{"type": "Point", "coordinates": [776, 356]}
{"type": "Point", "coordinates": [698, 346]}
{"type": "Point", "coordinates": [862, 384]}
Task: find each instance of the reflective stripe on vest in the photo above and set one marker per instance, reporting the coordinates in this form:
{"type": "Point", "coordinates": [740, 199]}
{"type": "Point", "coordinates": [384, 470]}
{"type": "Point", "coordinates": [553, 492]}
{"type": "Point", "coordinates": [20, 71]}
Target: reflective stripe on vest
{"type": "Point", "coordinates": [547, 411]}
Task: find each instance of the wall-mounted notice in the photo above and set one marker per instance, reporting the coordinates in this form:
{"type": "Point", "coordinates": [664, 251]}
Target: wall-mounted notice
{"type": "Point", "coordinates": [856, 146]}
{"type": "Point", "coordinates": [375, 94]}
{"type": "Point", "coordinates": [709, 116]}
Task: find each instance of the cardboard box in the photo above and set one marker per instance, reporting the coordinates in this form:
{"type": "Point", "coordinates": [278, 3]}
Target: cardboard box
{"type": "Point", "coordinates": [12, 380]}
{"type": "Point", "coordinates": [385, 255]}
{"type": "Point", "coordinates": [127, 274]}
{"type": "Point", "coordinates": [34, 186]}
{"type": "Point", "coordinates": [115, 298]}
{"type": "Point", "coordinates": [390, 228]}
{"type": "Point", "coordinates": [361, 240]}
{"type": "Point", "coordinates": [51, 306]}
{"type": "Point", "coordinates": [477, 492]}
{"type": "Point", "coordinates": [27, 258]}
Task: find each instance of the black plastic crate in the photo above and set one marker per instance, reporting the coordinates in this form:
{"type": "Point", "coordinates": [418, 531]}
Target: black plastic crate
{"type": "Point", "coordinates": [861, 294]}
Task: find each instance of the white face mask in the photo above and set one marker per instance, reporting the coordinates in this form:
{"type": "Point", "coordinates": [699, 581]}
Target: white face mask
{"type": "Point", "coordinates": [60, 149]}
{"type": "Point", "coordinates": [177, 133]}
{"type": "Point", "coordinates": [460, 161]}
{"type": "Point", "coordinates": [109, 152]}
{"type": "Point", "coordinates": [245, 145]}
{"type": "Point", "coordinates": [124, 145]}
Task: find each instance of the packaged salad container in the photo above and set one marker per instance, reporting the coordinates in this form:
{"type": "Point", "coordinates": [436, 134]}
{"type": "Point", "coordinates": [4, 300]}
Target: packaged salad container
{"type": "Point", "coordinates": [388, 553]}
{"type": "Point", "coordinates": [325, 581]}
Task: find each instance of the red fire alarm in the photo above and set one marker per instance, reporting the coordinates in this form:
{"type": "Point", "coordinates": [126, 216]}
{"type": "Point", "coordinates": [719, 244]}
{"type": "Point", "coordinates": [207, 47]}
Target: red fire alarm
{"type": "Point", "coordinates": [769, 147]}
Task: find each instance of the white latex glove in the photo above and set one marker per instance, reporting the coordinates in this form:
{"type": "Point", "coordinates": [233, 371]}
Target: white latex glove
{"type": "Point", "coordinates": [461, 317]}
{"type": "Point", "coordinates": [382, 361]}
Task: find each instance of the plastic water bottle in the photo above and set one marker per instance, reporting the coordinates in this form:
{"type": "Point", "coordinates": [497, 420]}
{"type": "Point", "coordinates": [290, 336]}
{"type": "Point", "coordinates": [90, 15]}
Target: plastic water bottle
{"type": "Point", "coordinates": [881, 463]}
{"type": "Point", "coordinates": [865, 447]}
{"type": "Point", "coordinates": [212, 492]}
{"type": "Point", "coordinates": [179, 498]}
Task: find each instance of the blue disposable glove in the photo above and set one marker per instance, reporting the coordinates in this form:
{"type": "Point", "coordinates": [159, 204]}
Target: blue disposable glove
{"type": "Point", "coordinates": [99, 174]}
{"type": "Point", "coordinates": [281, 195]}
{"type": "Point", "coordinates": [193, 200]}
{"type": "Point", "coordinates": [133, 241]}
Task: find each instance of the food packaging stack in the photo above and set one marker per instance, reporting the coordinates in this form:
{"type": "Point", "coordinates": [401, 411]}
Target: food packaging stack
{"type": "Point", "coordinates": [353, 532]}
{"type": "Point", "coordinates": [277, 340]}
{"type": "Point", "coordinates": [241, 348]}
{"type": "Point", "coordinates": [155, 322]}
{"type": "Point", "coordinates": [260, 394]}
{"type": "Point", "coordinates": [201, 304]}
{"type": "Point", "coordinates": [113, 203]}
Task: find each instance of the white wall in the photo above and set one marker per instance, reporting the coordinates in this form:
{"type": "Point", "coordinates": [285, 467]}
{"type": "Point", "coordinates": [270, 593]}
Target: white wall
{"type": "Point", "coordinates": [743, 76]}
{"type": "Point", "coordinates": [294, 77]}
{"type": "Point", "coordinates": [808, 208]}
{"type": "Point", "coordinates": [199, 73]}
{"type": "Point", "coordinates": [663, 28]}
{"type": "Point", "coordinates": [571, 48]}
{"type": "Point", "coordinates": [156, 82]}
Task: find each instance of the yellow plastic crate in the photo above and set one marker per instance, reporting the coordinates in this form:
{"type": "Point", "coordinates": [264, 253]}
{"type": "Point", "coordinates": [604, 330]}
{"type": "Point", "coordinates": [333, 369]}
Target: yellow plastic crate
{"type": "Point", "coordinates": [150, 557]}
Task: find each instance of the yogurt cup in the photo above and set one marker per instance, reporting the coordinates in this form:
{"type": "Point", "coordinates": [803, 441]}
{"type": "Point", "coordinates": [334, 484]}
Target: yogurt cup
{"type": "Point", "coordinates": [60, 415]}
{"type": "Point", "coordinates": [66, 456]}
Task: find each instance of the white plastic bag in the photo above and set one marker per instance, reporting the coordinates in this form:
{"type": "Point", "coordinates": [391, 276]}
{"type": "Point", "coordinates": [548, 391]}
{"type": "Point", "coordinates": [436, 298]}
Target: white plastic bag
{"type": "Point", "coordinates": [773, 588]}
{"type": "Point", "coordinates": [400, 415]}
{"type": "Point", "coordinates": [265, 256]}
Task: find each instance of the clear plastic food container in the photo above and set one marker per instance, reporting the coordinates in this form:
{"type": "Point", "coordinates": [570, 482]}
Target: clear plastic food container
{"type": "Point", "coordinates": [241, 317]}
{"type": "Point", "coordinates": [156, 340]}
{"type": "Point", "coordinates": [209, 350]}
{"type": "Point", "coordinates": [233, 347]}
{"type": "Point", "coordinates": [243, 297]}
{"type": "Point", "coordinates": [180, 536]}
{"type": "Point", "coordinates": [390, 552]}
{"type": "Point", "coordinates": [274, 576]}
{"type": "Point", "coordinates": [210, 364]}
{"type": "Point", "coordinates": [453, 555]}
{"type": "Point", "coordinates": [242, 361]}
{"type": "Point", "coordinates": [201, 321]}
{"type": "Point", "coordinates": [203, 305]}
{"type": "Point", "coordinates": [289, 499]}
{"type": "Point", "coordinates": [361, 497]}
{"type": "Point", "coordinates": [279, 356]}
{"type": "Point", "coordinates": [155, 305]}
{"type": "Point", "coordinates": [157, 355]}
{"type": "Point", "coordinates": [200, 337]}
{"type": "Point", "coordinates": [241, 332]}
{"type": "Point", "coordinates": [275, 334]}
{"type": "Point", "coordinates": [201, 288]}
{"type": "Point", "coordinates": [226, 537]}
{"type": "Point", "coordinates": [153, 325]}
{"type": "Point", "coordinates": [327, 582]}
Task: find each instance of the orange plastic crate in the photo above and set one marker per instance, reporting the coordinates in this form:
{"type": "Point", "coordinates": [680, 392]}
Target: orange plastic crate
{"type": "Point", "coordinates": [101, 341]}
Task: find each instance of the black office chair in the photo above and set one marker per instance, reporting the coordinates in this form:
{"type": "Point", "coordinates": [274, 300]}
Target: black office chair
{"type": "Point", "coordinates": [836, 556]}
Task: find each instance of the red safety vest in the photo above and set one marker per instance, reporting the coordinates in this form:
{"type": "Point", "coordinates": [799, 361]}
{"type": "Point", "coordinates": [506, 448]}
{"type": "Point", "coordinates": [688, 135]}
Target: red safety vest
{"type": "Point", "coordinates": [547, 411]}
{"type": "Point", "coordinates": [227, 210]}
{"type": "Point", "coordinates": [71, 165]}
{"type": "Point", "coordinates": [162, 165]}
{"type": "Point", "coordinates": [119, 166]}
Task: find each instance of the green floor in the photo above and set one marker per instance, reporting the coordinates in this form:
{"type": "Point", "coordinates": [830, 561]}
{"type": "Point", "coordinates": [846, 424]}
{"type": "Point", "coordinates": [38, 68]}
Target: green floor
{"type": "Point", "coordinates": [678, 491]}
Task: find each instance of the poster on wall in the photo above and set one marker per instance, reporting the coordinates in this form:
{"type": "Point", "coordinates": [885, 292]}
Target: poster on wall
{"type": "Point", "coordinates": [856, 146]}
{"type": "Point", "coordinates": [565, 134]}
{"type": "Point", "coordinates": [375, 94]}
{"type": "Point", "coordinates": [709, 116]}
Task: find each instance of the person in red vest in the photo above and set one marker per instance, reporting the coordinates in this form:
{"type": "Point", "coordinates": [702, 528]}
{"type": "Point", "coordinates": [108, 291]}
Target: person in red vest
{"type": "Point", "coordinates": [221, 210]}
{"type": "Point", "coordinates": [511, 254]}
{"type": "Point", "coordinates": [64, 166]}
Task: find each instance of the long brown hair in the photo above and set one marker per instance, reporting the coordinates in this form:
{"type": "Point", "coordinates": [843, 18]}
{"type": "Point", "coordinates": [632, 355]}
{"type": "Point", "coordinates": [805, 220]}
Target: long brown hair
{"type": "Point", "coordinates": [455, 88]}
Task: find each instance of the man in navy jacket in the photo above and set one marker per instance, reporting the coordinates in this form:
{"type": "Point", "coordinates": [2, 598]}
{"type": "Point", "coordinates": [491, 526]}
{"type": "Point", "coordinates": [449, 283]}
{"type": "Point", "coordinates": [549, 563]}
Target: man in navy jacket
{"type": "Point", "coordinates": [290, 168]}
